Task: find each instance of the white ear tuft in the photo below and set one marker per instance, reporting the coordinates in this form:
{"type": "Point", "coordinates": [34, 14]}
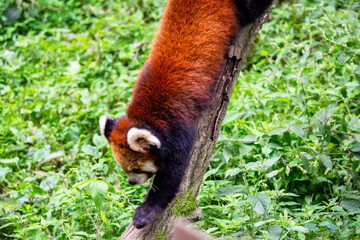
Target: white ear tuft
{"type": "Point", "coordinates": [102, 123]}
{"type": "Point", "coordinates": [140, 140]}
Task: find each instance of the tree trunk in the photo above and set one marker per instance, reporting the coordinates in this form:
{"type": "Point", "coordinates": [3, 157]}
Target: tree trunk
{"type": "Point", "coordinates": [208, 130]}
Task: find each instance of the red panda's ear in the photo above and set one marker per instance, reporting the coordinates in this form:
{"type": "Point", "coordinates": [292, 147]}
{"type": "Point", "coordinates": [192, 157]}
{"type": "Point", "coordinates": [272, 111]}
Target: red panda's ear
{"type": "Point", "coordinates": [141, 140]}
{"type": "Point", "coordinates": [106, 126]}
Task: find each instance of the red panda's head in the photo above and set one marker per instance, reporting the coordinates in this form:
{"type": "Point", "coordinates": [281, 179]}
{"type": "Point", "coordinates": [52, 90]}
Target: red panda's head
{"type": "Point", "coordinates": [132, 148]}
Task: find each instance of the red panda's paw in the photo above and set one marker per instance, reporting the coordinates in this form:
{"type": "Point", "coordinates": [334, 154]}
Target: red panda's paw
{"type": "Point", "coordinates": [145, 214]}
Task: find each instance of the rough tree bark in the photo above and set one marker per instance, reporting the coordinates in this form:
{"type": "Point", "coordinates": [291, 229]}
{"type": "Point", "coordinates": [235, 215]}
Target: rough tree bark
{"type": "Point", "coordinates": [207, 134]}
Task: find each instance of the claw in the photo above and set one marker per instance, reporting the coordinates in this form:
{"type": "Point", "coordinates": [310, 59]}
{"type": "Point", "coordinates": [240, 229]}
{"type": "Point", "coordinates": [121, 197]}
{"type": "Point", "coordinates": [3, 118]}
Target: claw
{"type": "Point", "coordinates": [145, 214]}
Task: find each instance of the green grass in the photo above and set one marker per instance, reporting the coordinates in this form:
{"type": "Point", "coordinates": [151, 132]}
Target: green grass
{"type": "Point", "coordinates": [287, 162]}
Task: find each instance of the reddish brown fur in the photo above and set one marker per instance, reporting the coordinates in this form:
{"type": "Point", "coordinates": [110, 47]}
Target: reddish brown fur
{"type": "Point", "coordinates": [177, 81]}
{"type": "Point", "coordinates": [127, 158]}
{"type": "Point", "coordinates": [119, 135]}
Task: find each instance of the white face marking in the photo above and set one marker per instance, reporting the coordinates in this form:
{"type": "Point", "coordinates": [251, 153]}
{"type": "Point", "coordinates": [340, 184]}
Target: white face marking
{"type": "Point", "coordinates": [138, 179]}
{"type": "Point", "coordinates": [149, 167]}
{"type": "Point", "coordinates": [102, 123]}
{"type": "Point", "coordinates": [140, 140]}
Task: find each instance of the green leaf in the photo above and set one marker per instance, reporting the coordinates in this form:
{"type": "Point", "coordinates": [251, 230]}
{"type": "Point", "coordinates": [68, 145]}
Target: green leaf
{"type": "Point", "coordinates": [90, 150]}
{"type": "Point", "coordinates": [248, 139]}
{"type": "Point", "coordinates": [81, 233]}
{"type": "Point", "coordinates": [343, 58]}
{"type": "Point", "coordinates": [260, 223]}
{"type": "Point", "coordinates": [33, 11]}
{"type": "Point", "coordinates": [305, 163]}
{"type": "Point", "coordinates": [278, 131]}
{"type": "Point", "coordinates": [54, 155]}
{"type": "Point", "coordinates": [98, 190]}
{"type": "Point", "coordinates": [290, 194]}
{"type": "Point", "coordinates": [326, 113]}
{"type": "Point", "coordinates": [74, 68]}
{"type": "Point", "coordinates": [233, 171]}
{"type": "Point", "coordinates": [245, 149]}
{"type": "Point", "coordinates": [103, 217]}
{"type": "Point", "coordinates": [351, 205]}
{"type": "Point", "coordinates": [357, 71]}
{"type": "Point", "coordinates": [251, 165]}
{"type": "Point", "coordinates": [12, 14]}
{"type": "Point", "coordinates": [275, 232]}
{"type": "Point", "coordinates": [318, 55]}
{"type": "Point", "coordinates": [11, 161]}
{"type": "Point", "coordinates": [291, 76]}
{"type": "Point", "coordinates": [352, 196]}
{"type": "Point", "coordinates": [49, 183]}
{"type": "Point", "coordinates": [3, 172]}
{"type": "Point", "coordinates": [321, 179]}
{"type": "Point", "coordinates": [231, 116]}
{"type": "Point", "coordinates": [329, 225]}
{"type": "Point", "coordinates": [37, 190]}
{"type": "Point", "coordinates": [259, 202]}
{"type": "Point", "coordinates": [357, 137]}
{"type": "Point", "coordinates": [99, 141]}
{"type": "Point", "coordinates": [356, 147]}
{"type": "Point", "coordinates": [298, 131]}
{"type": "Point", "coordinates": [266, 150]}
{"type": "Point", "coordinates": [272, 174]}
{"type": "Point", "coordinates": [227, 154]}
{"type": "Point", "coordinates": [304, 79]}
{"type": "Point", "coordinates": [263, 53]}
{"type": "Point", "coordinates": [354, 123]}
{"type": "Point", "coordinates": [337, 209]}
{"type": "Point", "coordinates": [49, 156]}
{"type": "Point", "coordinates": [301, 236]}
{"type": "Point", "coordinates": [330, 9]}
{"type": "Point", "coordinates": [300, 229]}
{"type": "Point", "coordinates": [287, 138]}
{"type": "Point", "coordinates": [212, 171]}
{"type": "Point", "coordinates": [311, 226]}
{"type": "Point", "coordinates": [82, 184]}
{"type": "Point", "coordinates": [326, 162]}
{"type": "Point", "coordinates": [271, 162]}
{"type": "Point", "coordinates": [231, 190]}
{"type": "Point", "coordinates": [40, 154]}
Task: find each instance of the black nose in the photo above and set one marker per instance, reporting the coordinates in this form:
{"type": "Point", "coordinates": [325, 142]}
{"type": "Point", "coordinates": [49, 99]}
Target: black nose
{"type": "Point", "coordinates": [132, 182]}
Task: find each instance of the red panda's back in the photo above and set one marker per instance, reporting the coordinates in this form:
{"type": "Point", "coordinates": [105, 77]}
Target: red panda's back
{"type": "Point", "coordinates": [177, 81]}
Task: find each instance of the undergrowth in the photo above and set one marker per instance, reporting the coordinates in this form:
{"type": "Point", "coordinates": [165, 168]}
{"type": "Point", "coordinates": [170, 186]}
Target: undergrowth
{"type": "Point", "coordinates": [286, 165]}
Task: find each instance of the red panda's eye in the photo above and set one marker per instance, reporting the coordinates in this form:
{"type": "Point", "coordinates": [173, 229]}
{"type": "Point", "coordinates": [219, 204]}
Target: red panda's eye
{"type": "Point", "coordinates": [135, 170]}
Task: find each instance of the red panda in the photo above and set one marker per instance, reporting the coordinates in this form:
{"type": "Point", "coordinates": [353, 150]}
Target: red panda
{"type": "Point", "coordinates": [173, 89]}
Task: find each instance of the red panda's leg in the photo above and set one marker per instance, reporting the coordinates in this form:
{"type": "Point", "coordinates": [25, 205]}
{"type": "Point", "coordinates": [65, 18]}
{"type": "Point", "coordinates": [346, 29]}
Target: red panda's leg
{"type": "Point", "coordinates": [175, 154]}
{"type": "Point", "coordinates": [163, 190]}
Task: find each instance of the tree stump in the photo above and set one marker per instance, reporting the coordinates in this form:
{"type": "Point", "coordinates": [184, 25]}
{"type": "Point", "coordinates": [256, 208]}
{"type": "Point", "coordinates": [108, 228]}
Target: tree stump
{"type": "Point", "coordinates": [208, 130]}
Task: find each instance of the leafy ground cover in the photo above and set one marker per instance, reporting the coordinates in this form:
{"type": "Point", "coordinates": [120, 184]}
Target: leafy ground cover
{"type": "Point", "coordinates": [286, 164]}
